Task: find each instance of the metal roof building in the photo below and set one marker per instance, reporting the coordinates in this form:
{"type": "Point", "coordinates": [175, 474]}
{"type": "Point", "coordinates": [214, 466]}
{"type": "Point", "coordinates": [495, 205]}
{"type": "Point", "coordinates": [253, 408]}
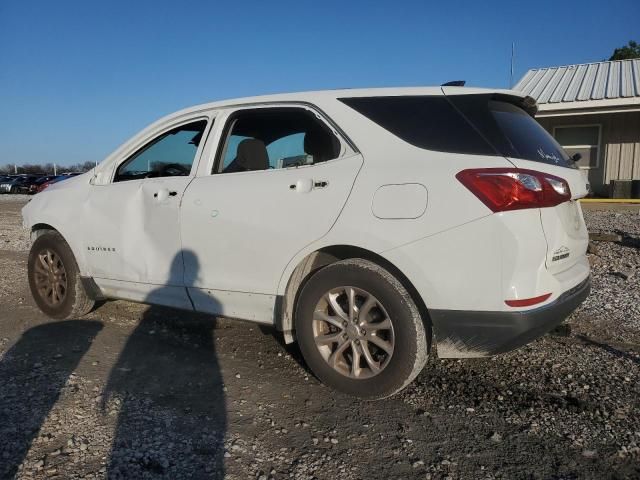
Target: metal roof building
{"type": "Point", "coordinates": [593, 109]}
{"type": "Point", "coordinates": [586, 86]}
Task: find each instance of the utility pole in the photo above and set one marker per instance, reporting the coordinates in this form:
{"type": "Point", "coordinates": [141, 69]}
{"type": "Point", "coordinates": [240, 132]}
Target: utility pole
{"type": "Point", "coordinates": [513, 54]}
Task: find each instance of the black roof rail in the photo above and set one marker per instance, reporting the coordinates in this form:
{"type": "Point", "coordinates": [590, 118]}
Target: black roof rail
{"type": "Point", "coordinates": [454, 83]}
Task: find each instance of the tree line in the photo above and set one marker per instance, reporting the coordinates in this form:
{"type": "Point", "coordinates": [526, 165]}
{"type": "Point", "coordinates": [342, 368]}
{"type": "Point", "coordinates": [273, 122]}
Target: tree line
{"type": "Point", "coordinates": [626, 52]}
{"type": "Point", "coordinates": [46, 169]}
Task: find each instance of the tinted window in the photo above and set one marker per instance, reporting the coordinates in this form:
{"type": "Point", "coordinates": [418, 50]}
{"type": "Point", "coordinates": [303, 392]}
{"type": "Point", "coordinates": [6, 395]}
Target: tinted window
{"type": "Point", "coordinates": [471, 124]}
{"type": "Point", "coordinates": [260, 139]}
{"type": "Point", "coordinates": [511, 130]}
{"type": "Point", "coordinates": [169, 155]}
{"type": "Point", "coordinates": [428, 122]}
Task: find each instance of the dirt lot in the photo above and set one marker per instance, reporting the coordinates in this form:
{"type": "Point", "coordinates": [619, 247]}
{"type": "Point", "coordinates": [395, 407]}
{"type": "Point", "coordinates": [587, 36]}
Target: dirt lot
{"type": "Point", "coordinates": [145, 392]}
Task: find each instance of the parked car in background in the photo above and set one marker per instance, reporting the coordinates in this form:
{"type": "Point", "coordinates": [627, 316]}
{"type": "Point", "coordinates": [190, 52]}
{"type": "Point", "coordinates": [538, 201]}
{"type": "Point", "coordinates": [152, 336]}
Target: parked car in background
{"type": "Point", "coordinates": [46, 184]}
{"type": "Point", "coordinates": [6, 182]}
{"type": "Point", "coordinates": [54, 180]}
{"type": "Point", "coordinates": [33, 187]}
{"type": "Point", "coordinates": [18, 184]}
{"type": "Point", "coordinates": [363, 224]}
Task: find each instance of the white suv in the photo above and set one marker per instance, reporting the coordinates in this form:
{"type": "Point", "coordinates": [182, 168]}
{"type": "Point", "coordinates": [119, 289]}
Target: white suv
{"type": "Point", "coordinates": [361, 223]}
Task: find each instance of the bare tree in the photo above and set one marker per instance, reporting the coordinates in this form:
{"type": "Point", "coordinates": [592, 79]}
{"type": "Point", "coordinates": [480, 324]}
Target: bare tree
{"type": "Point", "coordinates": [46, 169]}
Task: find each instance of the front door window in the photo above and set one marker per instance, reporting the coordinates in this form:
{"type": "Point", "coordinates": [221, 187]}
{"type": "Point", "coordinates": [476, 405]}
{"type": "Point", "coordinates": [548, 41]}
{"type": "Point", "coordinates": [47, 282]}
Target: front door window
{"type": "Point", "coordinates": [169, 155]}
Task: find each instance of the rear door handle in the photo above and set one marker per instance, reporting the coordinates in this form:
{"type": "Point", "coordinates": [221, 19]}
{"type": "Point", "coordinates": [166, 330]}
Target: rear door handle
{"type": "Point", "coordinates": [307, 184]}
{"type": "Point", "coordinates": [163, 194]}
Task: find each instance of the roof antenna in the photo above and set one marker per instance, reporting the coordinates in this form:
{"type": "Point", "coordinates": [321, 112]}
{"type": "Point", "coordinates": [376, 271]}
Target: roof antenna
{"type": "Point", "coordinates": [454, 83]}
{"type": "Point", "coordinates": [513, 54]}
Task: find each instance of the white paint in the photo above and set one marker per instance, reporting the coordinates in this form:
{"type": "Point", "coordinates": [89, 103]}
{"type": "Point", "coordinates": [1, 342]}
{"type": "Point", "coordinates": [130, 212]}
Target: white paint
{"type": "Point", "coordinates": [140, 226]}
{"type": "Point", "coordinates": [248, 306]}
{"type": "Point", "coordinates": [261, 222]}
{"type": "Point", "coordinates": [169, 296]}
{"type": "Point", "coordinates": [405, 201]}
{"type": "Point", "coordinates": [233, 240]}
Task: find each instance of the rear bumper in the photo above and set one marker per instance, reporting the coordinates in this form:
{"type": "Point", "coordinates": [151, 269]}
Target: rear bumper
{"type": "Point", "coordinates": [468, 334]}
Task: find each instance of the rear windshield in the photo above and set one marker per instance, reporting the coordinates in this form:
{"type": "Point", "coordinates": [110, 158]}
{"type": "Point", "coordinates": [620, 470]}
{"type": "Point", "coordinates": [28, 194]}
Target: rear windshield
{"type": "Point", "coordinates": [470, 124]}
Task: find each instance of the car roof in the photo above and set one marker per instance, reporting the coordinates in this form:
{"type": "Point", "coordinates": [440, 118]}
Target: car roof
{"type": "Point", "coordinates": [320, 95]}
{"type": "Point", "coordinates": [320, 98]}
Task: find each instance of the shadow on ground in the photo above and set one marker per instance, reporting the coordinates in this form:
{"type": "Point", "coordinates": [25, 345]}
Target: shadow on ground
{"type": "Point", "coordinates": [167, 378]}
{"type": "Point", "coordinates": [33, 374]}
{"type": "Point", "coordinates": [616, 352]}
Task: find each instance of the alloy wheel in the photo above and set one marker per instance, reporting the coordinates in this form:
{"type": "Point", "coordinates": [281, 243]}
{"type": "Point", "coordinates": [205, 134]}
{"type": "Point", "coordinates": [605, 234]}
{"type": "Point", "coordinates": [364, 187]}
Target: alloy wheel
{"type": "Point", "coordinates": [50, 277]}
{"type": "Point", "coordinates": [353, 332]}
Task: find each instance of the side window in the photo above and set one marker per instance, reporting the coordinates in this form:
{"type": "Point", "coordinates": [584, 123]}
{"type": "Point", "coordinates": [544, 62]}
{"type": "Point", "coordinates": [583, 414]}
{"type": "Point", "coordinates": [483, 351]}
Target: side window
{"type": "Point", "coordinates": [260, 139]}
{"type": "Point", "coordinates": [169, 155]}
{"type": "Point", "coordinates": [428, 122]}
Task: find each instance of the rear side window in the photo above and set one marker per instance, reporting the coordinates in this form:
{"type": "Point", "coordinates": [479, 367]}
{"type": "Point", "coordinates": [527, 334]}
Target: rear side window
{"type": "Point", "coordinates": [469, 124]}
{"type": "Point", "coordinates": [427, 122]}
{"type": "Point", "coordinates": [274, 138]}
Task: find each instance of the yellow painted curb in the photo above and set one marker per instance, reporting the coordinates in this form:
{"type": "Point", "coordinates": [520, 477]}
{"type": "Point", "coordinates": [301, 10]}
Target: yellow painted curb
{"type": "Point", "coordinates": [610, 200]}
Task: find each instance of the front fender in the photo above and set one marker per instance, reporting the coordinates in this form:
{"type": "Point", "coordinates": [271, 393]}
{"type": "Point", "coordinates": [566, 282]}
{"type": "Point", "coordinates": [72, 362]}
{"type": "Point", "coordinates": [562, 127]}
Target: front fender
{"type": "Point", "coordinates": [61, 209]}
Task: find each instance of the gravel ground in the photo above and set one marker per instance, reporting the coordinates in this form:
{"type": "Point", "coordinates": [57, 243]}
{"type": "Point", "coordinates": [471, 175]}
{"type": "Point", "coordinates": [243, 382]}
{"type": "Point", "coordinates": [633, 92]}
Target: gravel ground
{"type": "Point", "coordinates": [145, 392]}
{"type": "Point", "coordinates": [616, 272]}
{"type": "Point", "coordinates": [12, 235]}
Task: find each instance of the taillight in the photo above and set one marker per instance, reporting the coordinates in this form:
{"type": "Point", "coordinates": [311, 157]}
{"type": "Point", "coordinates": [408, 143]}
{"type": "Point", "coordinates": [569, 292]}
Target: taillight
{"type": "Point", "coordinates": [503, 189]}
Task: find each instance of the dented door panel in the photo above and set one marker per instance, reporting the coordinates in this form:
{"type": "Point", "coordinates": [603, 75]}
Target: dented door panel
{"type": "Point", "coordinates": [134, 231]}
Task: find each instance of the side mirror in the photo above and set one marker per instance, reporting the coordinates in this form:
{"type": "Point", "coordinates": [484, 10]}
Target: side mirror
{"type": "Point", "coordinates": [576, 157]}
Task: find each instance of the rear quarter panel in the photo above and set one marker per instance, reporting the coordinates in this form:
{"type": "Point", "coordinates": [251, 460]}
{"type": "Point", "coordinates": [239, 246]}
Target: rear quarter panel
{"type": "Point", "coordinates": [389, 160]}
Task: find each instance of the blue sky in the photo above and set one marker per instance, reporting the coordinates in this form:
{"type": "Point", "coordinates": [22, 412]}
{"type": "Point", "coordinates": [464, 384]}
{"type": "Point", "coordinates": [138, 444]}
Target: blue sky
{"type": "Point", "coordinates": [77, 78]}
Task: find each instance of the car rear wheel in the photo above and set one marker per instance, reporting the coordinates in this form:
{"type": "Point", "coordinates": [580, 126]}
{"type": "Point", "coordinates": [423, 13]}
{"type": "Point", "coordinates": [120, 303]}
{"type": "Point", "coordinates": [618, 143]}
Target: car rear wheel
{"type": "Point", "coordinates": [359, 330]}
{"type": "Point", "coordinates": [54, 278]}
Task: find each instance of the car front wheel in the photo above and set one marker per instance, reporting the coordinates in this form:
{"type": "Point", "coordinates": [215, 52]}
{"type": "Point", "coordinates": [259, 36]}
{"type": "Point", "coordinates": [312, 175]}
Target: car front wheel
{"type": "Point", "coordinates": [359, 330]}
{"type": "Point", "coordinates": [54, 278]}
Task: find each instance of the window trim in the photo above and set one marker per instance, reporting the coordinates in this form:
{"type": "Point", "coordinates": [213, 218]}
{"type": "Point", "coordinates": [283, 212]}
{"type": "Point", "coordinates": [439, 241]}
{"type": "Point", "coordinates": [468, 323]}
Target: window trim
{"type": "Point", "coordinates": [598, 146]}
{"type": "Point", "coordinates": [233, 111]}
{"type": "Point", "coordinates": [141, 145]}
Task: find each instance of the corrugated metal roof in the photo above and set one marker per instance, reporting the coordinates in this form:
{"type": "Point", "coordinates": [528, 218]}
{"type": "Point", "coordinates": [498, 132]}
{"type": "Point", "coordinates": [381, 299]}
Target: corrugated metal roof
{"type": "Point", "coordinates": [577, 83]}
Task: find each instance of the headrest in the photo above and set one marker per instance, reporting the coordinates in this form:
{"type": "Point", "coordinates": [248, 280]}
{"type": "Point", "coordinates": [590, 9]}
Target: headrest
{"type": "Point", "coordinates": [252, 154]}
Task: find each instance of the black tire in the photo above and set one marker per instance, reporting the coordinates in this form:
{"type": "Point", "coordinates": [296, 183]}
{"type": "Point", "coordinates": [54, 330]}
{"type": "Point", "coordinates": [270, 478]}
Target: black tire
{"type": "Point", "coordinates": [410, 350]}
{"type": "Point", "coordinates": [73, 301]}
